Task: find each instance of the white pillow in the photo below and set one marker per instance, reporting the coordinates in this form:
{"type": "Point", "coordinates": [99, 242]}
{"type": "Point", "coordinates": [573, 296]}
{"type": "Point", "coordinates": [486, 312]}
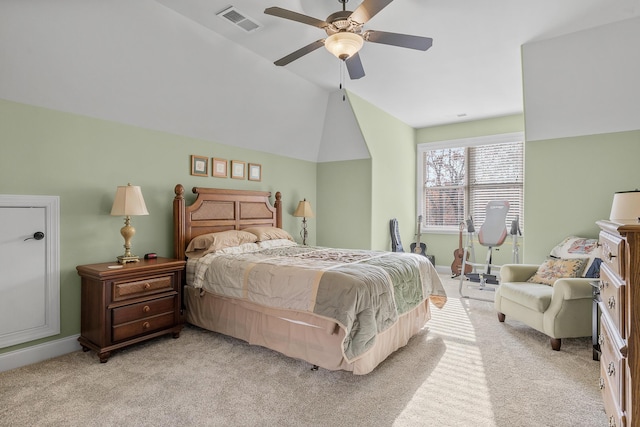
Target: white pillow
{"type": "Point", "coordinates": [276, 243]}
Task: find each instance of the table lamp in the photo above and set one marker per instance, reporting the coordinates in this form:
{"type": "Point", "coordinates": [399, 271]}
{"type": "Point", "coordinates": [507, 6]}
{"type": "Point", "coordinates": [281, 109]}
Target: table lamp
{"type": "Point", "coordinates": [626, 207]}
{"type": "Point", "coordinates": [128, 202]}
{"type": "Point", "coordinates": [304, 211]}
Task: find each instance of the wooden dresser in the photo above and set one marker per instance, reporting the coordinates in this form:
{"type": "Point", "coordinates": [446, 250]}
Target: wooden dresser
{"type": "Point", "coordinates": [126, 304]}
{"type": "Point", "coordinates": [619, 336]}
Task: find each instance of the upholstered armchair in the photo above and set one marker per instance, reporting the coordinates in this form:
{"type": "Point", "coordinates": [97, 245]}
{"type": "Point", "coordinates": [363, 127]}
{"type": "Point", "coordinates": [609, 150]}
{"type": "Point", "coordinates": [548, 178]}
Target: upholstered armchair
{"type": "Point", "coordinates": [563, 310]}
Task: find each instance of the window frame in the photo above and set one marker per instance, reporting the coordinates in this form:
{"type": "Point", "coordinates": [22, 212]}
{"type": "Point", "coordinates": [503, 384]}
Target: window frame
{"type": "Point", "coordinates": [457, 143]}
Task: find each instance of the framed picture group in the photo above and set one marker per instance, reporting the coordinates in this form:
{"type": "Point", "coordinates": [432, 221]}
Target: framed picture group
{"type": "Point", "coordinates": [223, 168]}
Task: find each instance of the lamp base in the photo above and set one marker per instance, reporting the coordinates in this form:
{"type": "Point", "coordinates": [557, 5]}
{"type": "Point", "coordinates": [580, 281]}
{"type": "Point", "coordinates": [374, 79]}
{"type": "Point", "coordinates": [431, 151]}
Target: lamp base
{"type": "Point", "coordinates": [125, 259]}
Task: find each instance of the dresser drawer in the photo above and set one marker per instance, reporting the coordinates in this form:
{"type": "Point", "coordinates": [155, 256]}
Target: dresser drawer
{"type": "Point", "coordinates": [612, 365]}
{"type": "Point", "coordinates": [615, 417]}
{"type": "Point", "coordinates": [613, 252]}
{"type": "Point", "coordinates": [612, 298]}
{"type": "Point", "coordinates": [148, 286]}
{"type": "Point", "coordinates": [143, 309]}
{"type": "Point", "coordinates": [142, 326]}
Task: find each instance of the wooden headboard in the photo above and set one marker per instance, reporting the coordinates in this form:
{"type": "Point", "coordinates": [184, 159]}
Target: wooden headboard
{"type": "Point", "coordinates": [217, 209]}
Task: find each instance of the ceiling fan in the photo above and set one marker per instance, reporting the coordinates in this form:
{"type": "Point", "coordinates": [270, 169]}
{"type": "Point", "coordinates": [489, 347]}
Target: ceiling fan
{"type": "Point", "coordinates": [345, 35]}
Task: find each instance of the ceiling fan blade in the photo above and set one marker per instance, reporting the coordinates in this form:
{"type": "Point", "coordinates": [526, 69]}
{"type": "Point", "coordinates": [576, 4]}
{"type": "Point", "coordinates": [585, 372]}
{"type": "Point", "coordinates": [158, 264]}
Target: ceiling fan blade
{"type": "Point", "coordinates": [300, 52]}
{"type": "Point", "coordinates": [295, 16]}
{"type": "Point", "coordinates": [368, 9]}
{"type": "Point", "coordinates": [401, 40]}
{"type": "Point", "coordinates": [354, 66]}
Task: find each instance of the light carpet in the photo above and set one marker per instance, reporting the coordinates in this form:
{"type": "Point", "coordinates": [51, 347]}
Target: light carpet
{"type": "Point", "coordinates": [463, 369]}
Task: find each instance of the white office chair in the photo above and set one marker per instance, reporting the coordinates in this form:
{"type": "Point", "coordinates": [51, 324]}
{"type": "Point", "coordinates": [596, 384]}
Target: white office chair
{"type": "Point", "coordinates": [492, 234]}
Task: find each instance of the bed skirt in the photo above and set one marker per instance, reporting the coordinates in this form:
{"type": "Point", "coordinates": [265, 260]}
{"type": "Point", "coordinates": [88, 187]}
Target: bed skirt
{"type": "Point", "coordinates": [301, 335]}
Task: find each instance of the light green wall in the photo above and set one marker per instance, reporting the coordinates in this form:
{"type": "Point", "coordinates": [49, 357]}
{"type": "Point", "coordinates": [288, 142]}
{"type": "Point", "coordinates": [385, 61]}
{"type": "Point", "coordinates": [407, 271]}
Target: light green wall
{"type": "Point", "coordinates": [82, 160]}
{"type": "Point", "coordinates": [443, 245]}
{"type": "Point", "coordinates": [343, 211]}
{"type": "Point", "coordinates": [393, 172]}
{"type": "Point", "coordinates": [569, 185]}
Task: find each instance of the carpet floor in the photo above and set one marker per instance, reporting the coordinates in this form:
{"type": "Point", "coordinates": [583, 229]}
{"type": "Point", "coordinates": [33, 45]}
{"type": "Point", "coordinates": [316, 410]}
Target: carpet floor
{"type": "Point", "coordinates": [463, 369]}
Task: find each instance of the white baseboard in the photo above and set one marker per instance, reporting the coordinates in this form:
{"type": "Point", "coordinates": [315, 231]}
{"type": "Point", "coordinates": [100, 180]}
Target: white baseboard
{"type": "Point", "coordinates": [38, 353]}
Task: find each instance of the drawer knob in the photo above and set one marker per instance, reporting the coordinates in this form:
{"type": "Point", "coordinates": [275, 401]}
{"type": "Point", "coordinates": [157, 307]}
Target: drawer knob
{"type": "Point", "coordinates": [611, 369]}
{"type": "Point", "coordinates": [147, 285]}
{"type": "Point", "coordinates": [612, 302]}
{"type": "Point", "coordinates": [601, 383]}
{"type": "Point", "coordinates": [145, 325]}
{"type": "Point", "coordinates": [146, 308]}
{"type": "Point", "coordinates": [611, 256]}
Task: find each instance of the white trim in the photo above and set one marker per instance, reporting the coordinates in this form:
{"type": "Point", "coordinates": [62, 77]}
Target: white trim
{"type": "Point", "coordinates": [51, 327]}
{"type": "Point", "coordinates": [38, 353]}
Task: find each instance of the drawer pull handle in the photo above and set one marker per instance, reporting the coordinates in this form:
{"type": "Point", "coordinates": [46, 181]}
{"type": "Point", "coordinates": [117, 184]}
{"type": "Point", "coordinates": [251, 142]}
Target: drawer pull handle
{"type": "Point", "coordinates": [145, 325]}
{"type": "Point", "coordinates": [611, 303]}
{"type": "Point", "coordinates": [601, 339]}
{"type": "Point", "coordinates": [147, 285]}
{"type": "Point", "coordinates": [146, 309]}
{"type": "Point", "coordinates": [601, 383]}
{"type": "Point", "coordinates": [612, 421]}
{"type": "Point", "coordinates": [602, 285]}
{"type": "Point", "coordinates": [611, 369]}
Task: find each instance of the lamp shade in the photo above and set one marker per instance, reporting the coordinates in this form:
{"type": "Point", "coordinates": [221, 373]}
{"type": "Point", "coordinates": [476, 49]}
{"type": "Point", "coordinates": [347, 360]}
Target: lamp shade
{"type": "Point", "coordinates": [304, 209]}
{"type": "Point", "coordinates": [344, 44]}
{"type": "Point", "coordinates": [129, 201]}
{"type": "Point", "coordinates": [626, 207]}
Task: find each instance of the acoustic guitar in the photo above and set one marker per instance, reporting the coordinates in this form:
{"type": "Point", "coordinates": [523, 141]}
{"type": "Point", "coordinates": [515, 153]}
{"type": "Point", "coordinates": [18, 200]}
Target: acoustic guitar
{"type": "Point", "coordinates": [458, 255]}
{"type": "Point", "coordinates": [417, 247]}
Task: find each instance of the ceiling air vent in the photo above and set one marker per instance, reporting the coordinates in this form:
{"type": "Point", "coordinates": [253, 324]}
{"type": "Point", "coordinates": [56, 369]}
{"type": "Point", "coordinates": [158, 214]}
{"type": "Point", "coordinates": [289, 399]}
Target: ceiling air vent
{"type": "Point", "coordinates": [239, 19]}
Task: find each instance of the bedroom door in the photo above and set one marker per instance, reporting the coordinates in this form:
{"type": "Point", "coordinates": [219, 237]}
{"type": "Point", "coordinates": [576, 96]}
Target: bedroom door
{"type": "Point", "coordinates": [29, 276]}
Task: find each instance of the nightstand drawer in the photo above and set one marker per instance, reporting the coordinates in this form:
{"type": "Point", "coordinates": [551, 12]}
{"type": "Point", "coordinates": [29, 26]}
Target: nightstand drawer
{"type": "Point", "coordinates": [143, 326]}
{"type": "Point", "coordinates": [143, 309]}
{"type": "Point", "coordinates": [126, 290]}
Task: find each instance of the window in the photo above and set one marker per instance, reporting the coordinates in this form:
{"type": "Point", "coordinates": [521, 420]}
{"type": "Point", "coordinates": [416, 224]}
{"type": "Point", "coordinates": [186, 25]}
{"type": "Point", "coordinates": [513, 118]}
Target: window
{"type": "Point", "coordinates": [458, 178]}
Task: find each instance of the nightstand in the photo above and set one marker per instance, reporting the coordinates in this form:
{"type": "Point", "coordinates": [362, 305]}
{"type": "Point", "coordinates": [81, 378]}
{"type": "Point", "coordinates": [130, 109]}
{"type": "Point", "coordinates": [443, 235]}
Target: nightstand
{"type": "Point", "coordinates": [123, 304]}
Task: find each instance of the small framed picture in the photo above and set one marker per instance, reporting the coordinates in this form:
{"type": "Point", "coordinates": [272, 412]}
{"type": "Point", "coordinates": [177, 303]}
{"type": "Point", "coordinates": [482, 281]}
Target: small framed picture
{"type": "Point", "coordinates": [255, 172]}
{"type": "Point", "coordinates": [238, 169]}
{"type": "Point", "coordinates": [219, 167]}
{"type": "Point", "coordinates": [199, 165]}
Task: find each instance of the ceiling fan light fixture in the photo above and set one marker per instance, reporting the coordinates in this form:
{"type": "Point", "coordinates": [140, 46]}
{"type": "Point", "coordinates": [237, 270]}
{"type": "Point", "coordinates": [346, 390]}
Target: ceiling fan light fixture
{"type": "Point", "coordinates": [344, 44]}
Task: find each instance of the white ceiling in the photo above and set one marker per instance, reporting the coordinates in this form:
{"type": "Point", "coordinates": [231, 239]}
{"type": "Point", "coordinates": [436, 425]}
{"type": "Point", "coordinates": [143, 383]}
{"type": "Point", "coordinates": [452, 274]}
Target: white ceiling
{"type": "Point", "coordinates": [174, 66]}
{"type": "Point", "coordinates": [473, 70]}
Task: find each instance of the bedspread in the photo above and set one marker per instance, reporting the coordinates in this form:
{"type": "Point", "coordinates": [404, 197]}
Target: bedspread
{"type": "Point", "coordinates": [363, 291]}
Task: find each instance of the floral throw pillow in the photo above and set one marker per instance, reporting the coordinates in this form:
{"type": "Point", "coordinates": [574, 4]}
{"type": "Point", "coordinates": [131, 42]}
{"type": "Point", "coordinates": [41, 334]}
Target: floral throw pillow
{"type": "Point", "coordinates": [553, 269]}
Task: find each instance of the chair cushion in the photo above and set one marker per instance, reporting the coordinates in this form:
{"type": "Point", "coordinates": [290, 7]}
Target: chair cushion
{"type": "Point", "coordinates": [531, 295]}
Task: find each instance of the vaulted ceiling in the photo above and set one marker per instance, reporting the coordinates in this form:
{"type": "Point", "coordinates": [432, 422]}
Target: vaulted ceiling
{"type": "Point", "coordinates": [175, 66]}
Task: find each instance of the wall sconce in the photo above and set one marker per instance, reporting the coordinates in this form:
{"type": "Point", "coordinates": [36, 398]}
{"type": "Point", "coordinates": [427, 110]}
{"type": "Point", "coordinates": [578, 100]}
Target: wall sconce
{"type": "Point", "coordinates": [304, 211]}
{"type": "Point", "coordinates": [128, 202]}
{"type": "Point", "coordinates": [626, 207]}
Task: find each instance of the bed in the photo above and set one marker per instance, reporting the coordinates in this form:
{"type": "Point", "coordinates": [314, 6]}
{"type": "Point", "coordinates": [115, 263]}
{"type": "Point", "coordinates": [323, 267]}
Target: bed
{"type": "Point", "coordinates": [334, 308]}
